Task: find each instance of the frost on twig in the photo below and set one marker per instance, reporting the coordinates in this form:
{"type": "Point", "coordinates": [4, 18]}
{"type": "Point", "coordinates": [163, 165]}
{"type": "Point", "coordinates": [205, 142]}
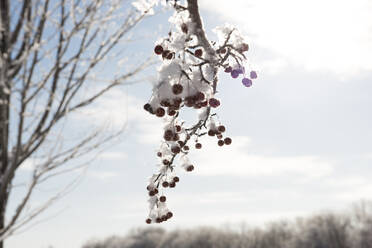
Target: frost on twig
{"type": "Point", "coordinates": [188, 78]}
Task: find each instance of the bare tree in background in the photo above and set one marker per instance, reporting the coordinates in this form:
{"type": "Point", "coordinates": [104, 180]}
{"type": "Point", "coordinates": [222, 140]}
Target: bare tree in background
{"type": "Point", "coordinates": [49, 53]}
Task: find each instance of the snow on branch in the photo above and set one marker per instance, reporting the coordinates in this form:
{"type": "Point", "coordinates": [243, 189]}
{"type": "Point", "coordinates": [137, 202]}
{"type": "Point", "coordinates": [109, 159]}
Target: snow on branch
{"type": "Point", "coordinates": [188, 78]}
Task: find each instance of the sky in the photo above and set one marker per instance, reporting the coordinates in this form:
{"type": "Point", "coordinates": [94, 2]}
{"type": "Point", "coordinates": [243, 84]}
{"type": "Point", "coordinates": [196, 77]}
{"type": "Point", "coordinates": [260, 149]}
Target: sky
{"type": "Point", "coordinates": [302, 139]}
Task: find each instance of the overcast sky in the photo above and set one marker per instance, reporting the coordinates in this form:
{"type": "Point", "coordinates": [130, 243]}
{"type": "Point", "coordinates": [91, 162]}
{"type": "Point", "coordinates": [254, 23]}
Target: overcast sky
{"type": "Point", "coordinates": [302, 139]}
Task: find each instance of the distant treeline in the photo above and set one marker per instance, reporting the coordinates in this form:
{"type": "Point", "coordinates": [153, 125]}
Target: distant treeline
{"type": "Point", "coordinates": [352, 229]}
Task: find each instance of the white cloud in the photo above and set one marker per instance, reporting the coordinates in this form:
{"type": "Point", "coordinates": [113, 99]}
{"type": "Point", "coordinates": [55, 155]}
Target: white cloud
{"type": "Point", "coordinates": [237, 160]}
{"type": "Point", "coordinates": [114, 156]}
{"type": "Point", "coordinates": [331, 35]}
{"type": "Point", "coordinates": [117, 109]}
{"type": "Point", "coordinates": [102, 175]}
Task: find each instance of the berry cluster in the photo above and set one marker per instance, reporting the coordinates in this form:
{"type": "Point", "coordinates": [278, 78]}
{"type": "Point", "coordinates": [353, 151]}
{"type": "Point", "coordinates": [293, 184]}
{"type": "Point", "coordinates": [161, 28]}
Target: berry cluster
{"type": "Point", "coordinates": [188, 79]}
{"type": "Point", "coordinates": [241, 70]}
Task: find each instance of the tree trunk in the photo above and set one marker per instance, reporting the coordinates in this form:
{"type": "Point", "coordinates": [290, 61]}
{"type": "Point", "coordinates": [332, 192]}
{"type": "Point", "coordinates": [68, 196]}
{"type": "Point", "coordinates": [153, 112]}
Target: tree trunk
{"type": "Point", "coordinates": [4, 108]}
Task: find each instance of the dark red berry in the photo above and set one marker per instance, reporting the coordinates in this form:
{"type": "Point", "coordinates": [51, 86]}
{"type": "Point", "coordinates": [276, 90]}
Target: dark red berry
{"type": "Point", "coordinates": [244, 47]}
{"type": "Point", "coordinates": [166, 161]}
{"type": "Point", "coordinates": [227, 141]}
{"type": "Point", "coordinates": [211, 132]}
{"type": "Point", "coordinates": [181, 143]}
{"type": "Point", "coordinates": [151, 193]}
{"type": "Point", "coordinates": [228, 69]}
{"type": "Point", "coordinates": [177, 89]}
{"type": "Point", "coordinates": [198, 52]}
{"type": "Point", "coordinates": [198, 146]}
{"type": "Point", "coordinates": [176, 137]}
{"type": "Point", "coordinates": [190, 168]}
{"type": "Point", "coordinates": [176, 179]}
{"type": "Point", "coordinates": [165, 103]}
{"type": "Point", "coordinates": [214, 103]}
{"type": "Point", "coordinates": [148, 221]}
{"type": "Point", "coordinates": [159, 154]}
{"type": "Point", "coordinates": [160, 112]}
{"type": "Point", "coordinates": [178, 128]}
{"type": "Point", "coordinates": [186, 148]}
{"type": "Point", "coordinates": [164, 218]}
{"type": "Point", "coordinates": [162, 198]}
{"type": "Point", "coordinates": [171, 112]}
{"type": "Point", "coordinates": [219, 136]}
{"type": "Point", "coordinates": [204, 104]}
{"type": "Point", "coordinates": [184, 28]}
{"type": "Point", "coordinates": [172, 185]}
{"type": "Point", "coordinates": [221, 129]}
{"type": "Point", "coordinates": [158, 220]}
{"type": "Point", "coordinates": [158, 49]}
{"type": "Point", "coordinates": [170, 56]}
{"type": "Point", "coordinates": [223, 50]}
{"type": "Point", "coordinates": [220, 142]}
{"type": "Point", "coordinates": [165, 53]}
{"type": "Point", "coordinates": [200, 96]}
{"type": "Point", "coordinates": [156, 191]}
{"type": "Point", "coordinates": [165, 184]}
{"type": "Point", "coordinates": [169, 215]}
{"type": "Point", "coordinates": [175, 149]}
{"type": "Point", "coordinates": [147, 107]}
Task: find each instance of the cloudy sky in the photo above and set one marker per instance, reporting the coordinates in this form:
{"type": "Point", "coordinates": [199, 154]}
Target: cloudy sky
{"type": "Point", "coordinates": [302, 139]}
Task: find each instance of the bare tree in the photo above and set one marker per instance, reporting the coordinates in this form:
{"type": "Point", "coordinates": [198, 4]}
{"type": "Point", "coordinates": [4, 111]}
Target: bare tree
{"type": "Point", "coordinates": [49, 52]}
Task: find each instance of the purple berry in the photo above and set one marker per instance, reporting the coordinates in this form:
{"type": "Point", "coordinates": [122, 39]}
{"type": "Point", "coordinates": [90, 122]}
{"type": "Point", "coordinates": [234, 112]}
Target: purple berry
{"type": "Point", "coordinates": [253, 74]}
{"type": "Point", "coordinates": [235, 73]}
{"type": "Point", "coordinates": [247, 82]}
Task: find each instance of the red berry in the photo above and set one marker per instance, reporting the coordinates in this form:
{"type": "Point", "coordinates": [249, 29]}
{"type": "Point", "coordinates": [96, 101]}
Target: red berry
{"type": "Point", "coordinates": [211, 132]}
{"type": "Point", "coordinates": [165, 103]}
{"type": "Point", "coordinates": [176, 179]}
{"type": "Point", "coordinates": [151, 193]}
{"type": "Point", "coordinates": [162, 198]}
{"type": "Point", "coordinates": [165, 53]}
{"type": "Point", "coordinates": [200, 96]}
{"type": "Point", "coordinates": [165, 184]}
{"type": "Point", "coordinates": [158, 220]}
{"type": "Point", "coordinates": [228, 69]}
{"type": "Point", "coordinates": [148, 221]}
{"type": "Point", "coordinates": [198, 52]}
{"type": "Point", "coordinates": [178, 128]}
{"type": "Point", "coordinates": [170, 56]}
{"type": "Point", "coordinates": [159, 154]}
{"type": "Point", "coordinates": [198, 146]}
{"type": "Point", "coordinates": [171, 112]}
{"type": "Point", "coordinates": [227, 141]}
{"type": "Point", "coordinates": [175, 149]}
{"type": "Point", "coordinates": [177, 89]}
{"type": "Point", "coordinates": [214, 103]}
{"type": "Point", "coordinates": [172, 185]}
{"type": "Point", "coordinates": [181, 143]}
{"type": "Point", "coordinates": [166, 161]}
{"type": "Point", "coordinates": [156, 191]}
{"type": "Point", "coordinates": [176, 137]}
{"type": "Point", "coordinates": [160, 112]}
{"type": "Point", "coordinates": [184, 28]}
{"type": "Point", "coordinates": [223, 50]}
{"type": "Point", "coordinates": [190, 168]}
{"type": "Point", "coordinates": [219, 136]}
{"type": "Point", "coordinates": [169, 215]}
{"type": "Point", "coordinates": [186, 148]}
{"type": "Point", "coordinates": [244, 47]}
{"type": "Point", "coordinates": [221, 129]}
{"type": "Point", "coordinates": [147, 107]}
{"type": "Point", "coordinates": [220, 142]}
{"type": "Point", "coordinates": [158, 49]}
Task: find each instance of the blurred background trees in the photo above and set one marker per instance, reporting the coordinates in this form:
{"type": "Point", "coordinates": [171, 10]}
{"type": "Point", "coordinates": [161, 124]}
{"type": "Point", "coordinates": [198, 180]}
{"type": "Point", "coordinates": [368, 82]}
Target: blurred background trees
{"type": "Point", "coordinates": [352, 229]}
